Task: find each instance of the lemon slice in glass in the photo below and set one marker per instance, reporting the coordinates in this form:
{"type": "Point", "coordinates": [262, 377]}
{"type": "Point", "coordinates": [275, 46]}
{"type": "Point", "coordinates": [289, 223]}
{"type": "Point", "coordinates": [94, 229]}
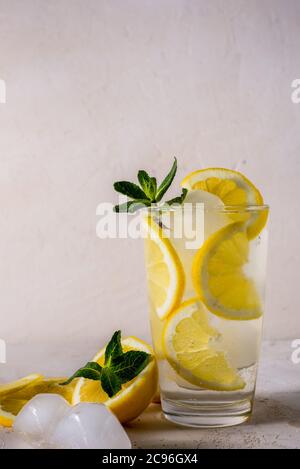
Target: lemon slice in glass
{"type": "Point", "coordinates": [219, 275]}
{"type": "Point", "coordinates": [234, 189]}
{"type": "Point", "coordinates": [165, 273]}
{"type": "Point", "coordinates": [190, 346]}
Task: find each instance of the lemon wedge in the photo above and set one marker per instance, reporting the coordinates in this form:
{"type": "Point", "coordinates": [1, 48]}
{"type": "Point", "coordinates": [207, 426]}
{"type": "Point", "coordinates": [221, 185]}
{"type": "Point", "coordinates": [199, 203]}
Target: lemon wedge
{"type": "Point", "coordinates": [134, 396]}
{"type": "Point", "coordinates": [190, 345]}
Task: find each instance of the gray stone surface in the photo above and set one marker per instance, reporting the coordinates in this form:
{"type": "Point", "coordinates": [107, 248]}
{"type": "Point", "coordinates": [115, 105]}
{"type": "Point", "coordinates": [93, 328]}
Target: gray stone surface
{"type": "Point", "coordinates": [275, 422]}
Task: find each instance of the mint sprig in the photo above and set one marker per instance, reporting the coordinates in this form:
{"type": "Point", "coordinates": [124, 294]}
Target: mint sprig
{"type": "Point", "coordinates": [132, 206]}
{"type": "Point", "coordinates": [110, 382]}
{"type": "Point", "coordinates": [148, 192]}
{"type": "Point", "coordinates": [129, 365]}
{"type": "Point", "coordinates": [118, 368]}
{"type": "Point", "coordinates": [130, 189]}
{"type": "Point", "coordinates": [113, 348]}
{"type": "Point", "coordinates": [166, 182]}
{"type": "Point", "coordinates": [92, 370]}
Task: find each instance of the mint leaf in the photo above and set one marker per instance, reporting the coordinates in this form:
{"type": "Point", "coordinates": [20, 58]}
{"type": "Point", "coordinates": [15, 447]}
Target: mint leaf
{"type": "Point", "coordinates": [179, 199]}
{"type": "Point", "coordinates": [166, 182]}
{"type": "Point", "coordinates": [118, 367]}
{"type": "Point", "coordinates": [113, 348]}
{"type": "Point", "coordinates": [148, 184]}
{"type": "Point", "coordinates": [92, 370]}
{"type": "Point", "coordinates": [154, 185]}
{"type": "Point", "coordinates": [130, 364]}
{"type": "Point", "coordinates": [132, 206]}
{"type": "Point", "coordinates": [110, 382]}
{"type": "Point", "coordinates": [147, 193]}
{"type": "Point", "coordinates": [130, 189]}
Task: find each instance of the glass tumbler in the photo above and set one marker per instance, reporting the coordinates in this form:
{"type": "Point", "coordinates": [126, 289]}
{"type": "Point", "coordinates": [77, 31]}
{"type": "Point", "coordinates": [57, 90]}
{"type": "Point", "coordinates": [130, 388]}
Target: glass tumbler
{"type": "Point", "coordinates": [206, 271]}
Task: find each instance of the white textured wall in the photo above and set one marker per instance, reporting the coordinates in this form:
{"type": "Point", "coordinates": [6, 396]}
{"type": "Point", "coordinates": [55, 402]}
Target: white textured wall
{"type": "Point", "coordinates": [99, 88]}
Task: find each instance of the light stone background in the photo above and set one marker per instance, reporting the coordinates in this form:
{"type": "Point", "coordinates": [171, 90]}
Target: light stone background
{"type": "Point", "coordinates": [97, 89]}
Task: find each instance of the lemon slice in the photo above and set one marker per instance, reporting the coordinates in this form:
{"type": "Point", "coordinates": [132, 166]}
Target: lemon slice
{"type": "Point", "coordinates": [165, 273]}
{"type": "Point", "coordinates": [219, 278]}
{"type": "Point", "coordinates": [6, 418]}
{"type": "Point", "coordinates": [190, 345]}
{"type": "Point", "coordinates": [234, 189]}
{"type": "Point", "coordinates": [134, 396]}
{"type": "Point", "coordinates": [14, 386]}
{"type": "Point", "coordinates": [44, 385]}
{"type": "Point", "coordinates": [14, 395]}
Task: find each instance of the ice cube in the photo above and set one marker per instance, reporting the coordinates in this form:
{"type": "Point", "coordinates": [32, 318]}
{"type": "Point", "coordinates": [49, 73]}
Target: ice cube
{"type": "Point", "coordinates": [88, 425]}
{"type": "Point", "coordinates": [214, 214]}
{"type": "Point", "coordinates": [40, 415]}
{"type": "Point", "coordinates": [201, 215]}
{"type": "Point", "coordinates": [48, 421]}
{"type": "Point", "coordinates": [14, 440]}
{"type": "Point", "coordinates": [207, 198]}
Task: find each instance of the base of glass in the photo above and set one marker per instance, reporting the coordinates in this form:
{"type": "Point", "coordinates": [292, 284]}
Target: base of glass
{"type": "Point", "coordinates": [207, 415]}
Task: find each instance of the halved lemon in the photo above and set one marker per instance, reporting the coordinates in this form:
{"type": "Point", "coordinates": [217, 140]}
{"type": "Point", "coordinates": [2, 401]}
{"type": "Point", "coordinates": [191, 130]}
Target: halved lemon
{"type": "Point", "coordinates": [44, 385]}
{"type": "Point", "coordinates": [219, 277]}
{"type": "Point", "coordinates": [165, 273]}
{"type": "Point", "coordinates": [14, 395]}
{"type": "Point", "coordinates": [14, 386]}
{"type": "Point", "coordinates": [134, 396]}
{"type": "Point", "coordinates": [6, 418]}
{"type": "Point", "coordinates": [234, 189]}
{"type": "Point", "coordinates": [190, 345]}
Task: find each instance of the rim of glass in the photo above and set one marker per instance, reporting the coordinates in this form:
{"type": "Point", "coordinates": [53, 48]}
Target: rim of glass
{"type": "Point", "coordinates": [220, 208]}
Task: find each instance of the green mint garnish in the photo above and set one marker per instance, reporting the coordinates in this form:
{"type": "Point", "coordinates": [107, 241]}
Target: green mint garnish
{"type": "Point", "coordinates": [147, 193]}
{"type": "Point", "coordinates": [166, 182]}
{"type": "Point", "coordinates": [130, 364]}
{"type": "Point", "coordinates": [118, 369]}
{"type": "Point", "coordinates": [130, 189]}
{"type": "Point", "coordinates": [92, 370]}
{"type": "Point", "coordinates": [132, 206]}
{"type": "Point", "coordinates": [113, 348]}
{"type": "Point", "coordinates": [110, 382]}
{"type": "Point", "coordinates": [148, 184]}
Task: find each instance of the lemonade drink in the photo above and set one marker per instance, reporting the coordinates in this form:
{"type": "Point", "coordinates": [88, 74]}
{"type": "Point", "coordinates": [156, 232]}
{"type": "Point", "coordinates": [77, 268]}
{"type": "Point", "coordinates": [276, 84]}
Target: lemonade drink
{"type": "Point", "coordinates": [206, 303]}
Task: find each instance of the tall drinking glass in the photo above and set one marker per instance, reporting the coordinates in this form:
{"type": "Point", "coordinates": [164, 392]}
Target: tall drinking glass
{"type": "Point", "coordinates": [206, 280]}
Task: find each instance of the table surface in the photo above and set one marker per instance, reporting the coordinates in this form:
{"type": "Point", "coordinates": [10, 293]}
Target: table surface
{"type": "Point", "coordinates": [275, 422]}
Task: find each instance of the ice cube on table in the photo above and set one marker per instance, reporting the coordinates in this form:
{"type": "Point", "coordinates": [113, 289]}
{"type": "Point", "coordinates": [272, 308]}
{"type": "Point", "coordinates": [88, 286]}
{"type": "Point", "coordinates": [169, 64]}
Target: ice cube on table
{"type": "Point", "coordinates": [48, 421]}
{"type": "Point", "coordinates": [88, 425]}
{"type": "Point", "coordinates": [40, 415]}
{"type": "Point", "coordinates": [14, 440]}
